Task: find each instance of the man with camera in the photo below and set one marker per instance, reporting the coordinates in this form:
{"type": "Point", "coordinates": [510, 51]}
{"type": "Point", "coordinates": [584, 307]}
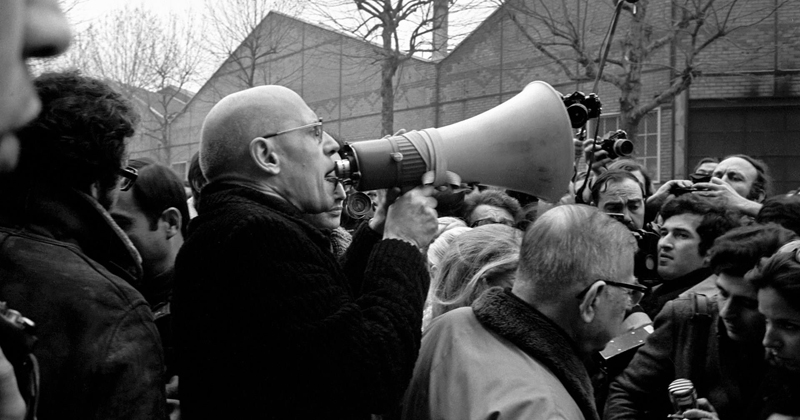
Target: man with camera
{"type": "Point", "coordinates": [518, 353]}
{"type": "Point", "coordinates": [268, 324]}
{"type": "Point", "coordinates": [739, 183]}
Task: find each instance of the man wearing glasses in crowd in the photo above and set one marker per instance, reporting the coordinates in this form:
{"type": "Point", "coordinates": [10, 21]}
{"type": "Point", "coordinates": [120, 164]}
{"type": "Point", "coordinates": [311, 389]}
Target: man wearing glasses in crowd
{"type": "Point", "coordinates": [519, 353]}
{"type": "Point", "coordinates": [267, 322]}
{"type": "Point", "coordinates": [67, 266]}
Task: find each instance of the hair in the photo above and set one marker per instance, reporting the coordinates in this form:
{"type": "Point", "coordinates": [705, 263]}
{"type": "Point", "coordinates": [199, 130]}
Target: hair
{"type": "Point", "coordinates": [441, 244]}
{"type": "Point", "coordinates": [476, 260]}
{"type": "Point", "coordinates": [716, 219]}
{"type": "Point", "coordinates": [490, 197]}
{"type": "Point", "coordinates": [762, 185]}
{"type": "Point", "coordinates": [570, 246]}
{"type": "Point", "coordinates": [156, 189]}
{"type": "Point", "coordinates": [707, 159]}
{"type": "Point", "coordinates": [781, 272]}
{"type": "Point", "coordinates": [783, 210]}
{"type": "Point", "coordinates": [196, 178]}
{"type": "Point", "coordinates": [736, 252]}
{"type": "Point", "coordinates": [612, 175]}
{"type": "Point", "coordinates": [79, 137]}
{"type": "Point", "coordinates": [631, 165]}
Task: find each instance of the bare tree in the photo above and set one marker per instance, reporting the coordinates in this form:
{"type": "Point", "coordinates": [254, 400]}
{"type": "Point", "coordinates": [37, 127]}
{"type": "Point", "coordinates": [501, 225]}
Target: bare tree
{"type": "Point", "coordinates": [239, 36]}
{"type": "Point", "coordinates": [398, 31]}
{"type": "Point", "coordinates": [150, 58]}
{"type": "Point", "coordinates": [564, 32]}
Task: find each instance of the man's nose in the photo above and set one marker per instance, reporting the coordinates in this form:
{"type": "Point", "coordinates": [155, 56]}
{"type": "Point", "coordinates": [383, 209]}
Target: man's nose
{"type": "Point", "coordinates": [770, 338]}
{"type": "Point", "coordinates": [726, 310]}
{"type": "Point", "coordinates": [47, 31]}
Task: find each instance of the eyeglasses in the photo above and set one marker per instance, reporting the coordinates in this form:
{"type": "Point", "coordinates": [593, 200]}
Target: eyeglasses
{"type": "Point", "coordinates": [489, 221]}
{"type": "Point", "coordinates": [127, 177]}
{"type": "Point", "coordinates": [317, 130]}
{"type": "Point", "coordinates": [635, 291]}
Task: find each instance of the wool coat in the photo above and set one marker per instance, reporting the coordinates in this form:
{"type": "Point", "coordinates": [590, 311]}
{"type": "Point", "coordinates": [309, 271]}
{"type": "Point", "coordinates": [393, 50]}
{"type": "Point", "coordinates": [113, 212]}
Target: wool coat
{"type": "Point", "coordinates": [269, 325]}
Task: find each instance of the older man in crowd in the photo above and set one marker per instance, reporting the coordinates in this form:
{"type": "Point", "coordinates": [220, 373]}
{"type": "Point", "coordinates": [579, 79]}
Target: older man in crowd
{"type": "Point", "coordinates": [67, 266]}
{"type": "Point", "coordinates": [268, 324]}
{"type": "Point", "coordinates": [517, 353]}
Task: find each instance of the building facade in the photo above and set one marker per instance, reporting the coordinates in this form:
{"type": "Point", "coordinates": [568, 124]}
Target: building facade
{"type": "Point", "coordinates": [744, 98]}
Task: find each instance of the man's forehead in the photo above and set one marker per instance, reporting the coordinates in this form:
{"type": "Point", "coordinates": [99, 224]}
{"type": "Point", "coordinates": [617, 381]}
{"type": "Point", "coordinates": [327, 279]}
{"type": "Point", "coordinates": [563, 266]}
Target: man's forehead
{"type": "Point", "coordinates": [736, 164]}
{"type": "Point", "coordinates": [688, 221]}
{"type": "Point", "coordinates": [626, 189]}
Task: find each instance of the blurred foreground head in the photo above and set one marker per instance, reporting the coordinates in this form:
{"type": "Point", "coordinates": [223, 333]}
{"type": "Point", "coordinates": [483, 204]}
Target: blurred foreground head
{"type": "Point", "coordinates": [28, 28]}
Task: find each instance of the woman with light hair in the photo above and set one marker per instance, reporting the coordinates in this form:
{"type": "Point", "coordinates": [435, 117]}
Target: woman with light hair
{"type": "Point", "coordinates": [475, 260]}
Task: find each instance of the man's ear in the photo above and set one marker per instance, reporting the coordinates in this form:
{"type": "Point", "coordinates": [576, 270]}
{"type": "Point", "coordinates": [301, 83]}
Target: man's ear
{"type": "Point", "coordinates": [171, 220]}
{"type": "Point", "coordinates": [588, 306]}
{"type": "Point", "coordinates": [265, 156]}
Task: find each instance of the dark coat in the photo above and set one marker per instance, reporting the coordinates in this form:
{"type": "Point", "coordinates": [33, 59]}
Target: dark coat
{"type": "Point", "coordinates": [65, 265]}
{"type": "Point", "coordinates": [692, 345]}
{"type": "Point", "coordinates": [269, 325]}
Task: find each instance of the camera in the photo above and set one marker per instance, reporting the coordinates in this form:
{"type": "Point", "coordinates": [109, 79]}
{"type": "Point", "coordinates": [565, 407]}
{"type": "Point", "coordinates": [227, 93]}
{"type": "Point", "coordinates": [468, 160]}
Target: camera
{"type": "Point", "coordinates": [617, 145]}
{"type": "Point", "coordinates": [645, 260]}
{"type": "Point", "coordinates": [696, 178]}
{"type": "Point", "coordinates": [358, 206]}
{"type": "Point", "coordinates": [581, 108]}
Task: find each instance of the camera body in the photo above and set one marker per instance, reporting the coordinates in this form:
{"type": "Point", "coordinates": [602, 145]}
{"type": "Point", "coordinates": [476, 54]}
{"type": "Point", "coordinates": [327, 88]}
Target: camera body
{"type": "Point", "coordinates": [645, 260]}
{"type": "Point", "coordinates": [696, 178]}
{"type": "Point", "coordinates": [581, 108]}
{"type": "Point", "coordinates": [358, 206]}
{"type": "Point", "coordinates": [617, 145]}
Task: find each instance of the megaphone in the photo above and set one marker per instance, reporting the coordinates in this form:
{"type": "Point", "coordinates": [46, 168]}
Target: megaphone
{"type": "Point", "coordinates": [524, 144]}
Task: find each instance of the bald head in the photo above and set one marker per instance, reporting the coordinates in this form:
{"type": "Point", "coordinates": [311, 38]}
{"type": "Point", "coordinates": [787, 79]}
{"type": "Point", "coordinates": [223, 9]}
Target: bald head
{"type": "Point", "coordinates": [239, 118]}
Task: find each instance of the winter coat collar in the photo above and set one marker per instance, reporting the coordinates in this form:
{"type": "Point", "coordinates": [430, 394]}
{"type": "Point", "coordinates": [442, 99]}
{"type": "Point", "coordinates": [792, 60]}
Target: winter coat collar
{"type": "Point", "coordinates": [217, 195]}
{"type": "Point", "coordinates": [69, 216]}
{"type": "Point", "coordinates": [520, 323]}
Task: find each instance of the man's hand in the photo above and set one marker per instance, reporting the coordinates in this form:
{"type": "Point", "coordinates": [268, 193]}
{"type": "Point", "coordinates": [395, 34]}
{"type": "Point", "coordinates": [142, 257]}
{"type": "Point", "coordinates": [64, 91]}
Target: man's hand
{"type": "Point", "coordinates": [601, 158]}
{"type": "Point", "coordinates": [667, 191]}
{"type": "Point", "coordinates": [412, 217]}
{"type": "Point", "coordinates": [12, 406]}
{"type": "Point", "coordinates": [719, 191]}
{"type": "Point", "coordinates": [704, 410]}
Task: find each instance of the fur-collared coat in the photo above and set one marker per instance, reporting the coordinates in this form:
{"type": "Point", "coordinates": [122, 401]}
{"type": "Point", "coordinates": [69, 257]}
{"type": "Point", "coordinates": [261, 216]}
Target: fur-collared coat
{"type": "Point", "coordinates": [501, 358]}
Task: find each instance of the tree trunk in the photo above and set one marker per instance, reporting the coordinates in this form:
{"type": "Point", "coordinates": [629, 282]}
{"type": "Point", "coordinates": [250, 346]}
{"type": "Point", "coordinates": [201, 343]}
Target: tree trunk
{"type": "Point", "coordinates": [631, 89]}
{"type": "Point", "coordinates": [388, 69]}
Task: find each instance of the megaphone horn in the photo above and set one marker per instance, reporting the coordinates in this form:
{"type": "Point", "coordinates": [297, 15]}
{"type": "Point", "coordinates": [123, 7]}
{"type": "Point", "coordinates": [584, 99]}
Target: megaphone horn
{"type": "Point", "coordinates": [524, 144]}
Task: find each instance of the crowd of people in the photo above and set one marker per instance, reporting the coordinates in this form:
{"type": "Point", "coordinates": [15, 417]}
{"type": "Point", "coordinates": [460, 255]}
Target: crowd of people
{"type": "Point", "coordinates": [248, 298]}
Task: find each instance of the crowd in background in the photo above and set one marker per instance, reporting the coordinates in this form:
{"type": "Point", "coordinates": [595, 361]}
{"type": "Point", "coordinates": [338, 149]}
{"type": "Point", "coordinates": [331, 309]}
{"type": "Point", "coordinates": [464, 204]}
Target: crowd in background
{"type": "Point", "coordinates": [260, 292]}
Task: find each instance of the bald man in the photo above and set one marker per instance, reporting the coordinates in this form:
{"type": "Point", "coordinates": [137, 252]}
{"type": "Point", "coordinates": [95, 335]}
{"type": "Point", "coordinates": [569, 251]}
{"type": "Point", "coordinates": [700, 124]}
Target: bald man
{"type": "Point", "coordinates": [267, 322]}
